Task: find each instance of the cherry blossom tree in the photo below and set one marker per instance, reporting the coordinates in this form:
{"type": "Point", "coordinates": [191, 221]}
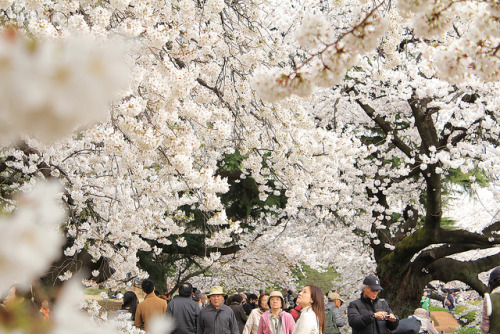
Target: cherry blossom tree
{"type": "Point", "coordinates": [414, 93]}
{"type": "Point", "coordinates": [146, 178]}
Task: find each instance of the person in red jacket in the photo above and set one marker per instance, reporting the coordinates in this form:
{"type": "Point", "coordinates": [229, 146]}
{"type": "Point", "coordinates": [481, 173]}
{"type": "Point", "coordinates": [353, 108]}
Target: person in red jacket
{"type": "Point", "coordinates": [295, 312]}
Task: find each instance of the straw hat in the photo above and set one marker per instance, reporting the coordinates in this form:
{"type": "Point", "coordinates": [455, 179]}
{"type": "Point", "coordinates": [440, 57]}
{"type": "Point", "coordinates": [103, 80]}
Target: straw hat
{"type": "Point", "coordinates": [216, 290]}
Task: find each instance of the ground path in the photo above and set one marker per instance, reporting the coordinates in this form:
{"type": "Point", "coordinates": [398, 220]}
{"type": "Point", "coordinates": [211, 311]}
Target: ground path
{"type": "Point", "coordinates": [444, 322]}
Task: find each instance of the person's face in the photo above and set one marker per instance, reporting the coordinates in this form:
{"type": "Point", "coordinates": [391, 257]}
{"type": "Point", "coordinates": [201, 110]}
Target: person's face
{"type": "Point", "coordinates": [263, 303]}
{"type": "Point", "coordinates": [216, 300]}
{"type": "Point", "coordinates": [425, 293]}
{"type": "Point", "coordinates": [370, 293]}
{"type": "Point", "coordinates": [337, 303]}
{"type": "Point", "coordinates": [244, 298]}
{"type": "Point", "coordinates": [304, 299]}
{"type": "Point", "coordinates": [204, 299]}
{"type": "Point", "coordinates": [45, 304]}
{"type": "Point", "coordinates": [275, 303]}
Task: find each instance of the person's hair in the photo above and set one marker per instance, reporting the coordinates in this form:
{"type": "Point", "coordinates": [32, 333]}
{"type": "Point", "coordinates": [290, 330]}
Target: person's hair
{"type": "Point", "coordinates": [236, 298]}
{"type": "Point", "coordinates": [494, 280]}
{"type": "Point", "coordinates": [228, 299]}
{"type": "Point", "coordinates": [130, 301]}
{"type": "Point", "coordinates": [185, 290]}
{"type": "Point", "coordinates": [318, 306]}
{"type": "Point", "coordinates": [252, 296]}
{"type": "Point", "coordinates": [147, 286]}
{"type": "Point", "coordinates": [260, 298]}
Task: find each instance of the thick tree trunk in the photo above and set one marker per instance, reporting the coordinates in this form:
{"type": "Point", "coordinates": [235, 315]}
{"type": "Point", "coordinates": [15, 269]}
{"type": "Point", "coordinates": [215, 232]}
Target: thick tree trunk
{"type": "Point", "coordinates": [402, 290]}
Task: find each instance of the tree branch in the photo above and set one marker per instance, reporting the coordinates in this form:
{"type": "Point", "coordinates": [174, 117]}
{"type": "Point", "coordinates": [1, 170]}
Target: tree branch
{"type": "Point", "coordinates": [386, 127]}
{"type": "Point", "coordinates": [448, 269]}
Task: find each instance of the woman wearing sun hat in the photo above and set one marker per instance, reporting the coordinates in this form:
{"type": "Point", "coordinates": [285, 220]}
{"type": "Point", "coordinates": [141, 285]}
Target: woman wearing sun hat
{"type": "Point", "coordinates": [276, 321]}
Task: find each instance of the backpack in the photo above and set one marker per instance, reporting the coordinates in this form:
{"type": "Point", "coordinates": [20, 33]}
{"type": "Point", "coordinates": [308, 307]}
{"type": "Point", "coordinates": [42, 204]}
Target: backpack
{"type": "Point", "coordinates": [410, 325]}
{"type": "Point", "coordinates": [331, 322]}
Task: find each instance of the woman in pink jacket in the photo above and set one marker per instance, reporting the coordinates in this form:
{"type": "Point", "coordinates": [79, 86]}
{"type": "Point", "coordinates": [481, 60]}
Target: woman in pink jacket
{"type": "Point", "coordinates": [276, 321]}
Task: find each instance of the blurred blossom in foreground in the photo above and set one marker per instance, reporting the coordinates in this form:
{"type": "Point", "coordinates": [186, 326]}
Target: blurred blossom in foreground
{"type": "Point", "coordinates": [68, 316]}
{"type": "Point", "coordinates": [51, 87]}
{"type": "Point", "coordinates": [161, 325]}
{"type": "Point", "coordinates": [31, 240]}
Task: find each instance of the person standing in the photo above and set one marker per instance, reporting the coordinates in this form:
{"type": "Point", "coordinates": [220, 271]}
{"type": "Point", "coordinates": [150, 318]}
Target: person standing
{"type": "Point", "coordinates": [312, 315]}
{"type": "Point", "coordinates": [184, 310]}
{"type": "Point", "coordinates": [370, 314]}
{"type": "Point", "coordinates": [490, 322]}
{"type": "Point", "coordinates": [275, 320]}
{"type": "Point", "coordinates": [253, 321]}
{"type": "Point", "coordinates": [295, 312]}
{"type": "Point", "coordinates": [151, 306]}
{"type": "Point", "coordinates": [449, 302]}
{"type": "Point", "coordinates": [239, 312]}
{"type": "Point", "coordinates": [251, 303]}
{"type": "Point", "coordinates": [216, 317]}
{"type": "Point", "coordinates": [425, 302]}
{"type": "Point", "coordinates": [45, 310]}
{"type": "Point", "coordinates": [291, 299]}
{"type": "Point", "coordinates": [334, 319]}
{"type": "Point", "coordinates": [129, 305]}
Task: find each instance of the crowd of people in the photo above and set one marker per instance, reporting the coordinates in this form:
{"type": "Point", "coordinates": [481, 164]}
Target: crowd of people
{"type": "Point", "coordinates": [311, 312]}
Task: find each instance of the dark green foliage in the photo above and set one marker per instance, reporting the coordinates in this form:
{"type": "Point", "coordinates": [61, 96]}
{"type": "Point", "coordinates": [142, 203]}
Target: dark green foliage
{"type": "Point", "coordinates": [456, 177]}
{"type": "Point", "coordinates": [310, 276]}
{"type": "Point", "coordinates": [156, 268]}
{"type": "Point", "coordinates": [242, 199]}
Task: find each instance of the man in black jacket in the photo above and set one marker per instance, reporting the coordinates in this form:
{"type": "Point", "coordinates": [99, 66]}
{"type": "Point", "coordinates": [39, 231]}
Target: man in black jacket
{"type": "Point", "coordinates": [184, 310]}
{"type": "Point", "coordinates": [370, 314]}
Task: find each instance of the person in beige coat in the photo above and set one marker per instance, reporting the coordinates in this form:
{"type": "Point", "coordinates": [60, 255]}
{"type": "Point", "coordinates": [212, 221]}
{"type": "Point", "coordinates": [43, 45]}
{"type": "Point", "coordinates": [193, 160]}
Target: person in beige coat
{"type": "Point", "coordinates": [252, 324]}
{"type": "Point", "coordinates": [151, 306]}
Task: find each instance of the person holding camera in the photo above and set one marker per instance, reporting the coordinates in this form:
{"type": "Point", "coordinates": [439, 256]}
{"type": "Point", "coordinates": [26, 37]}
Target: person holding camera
{"type": "Point", "coordinates": [370, 314]}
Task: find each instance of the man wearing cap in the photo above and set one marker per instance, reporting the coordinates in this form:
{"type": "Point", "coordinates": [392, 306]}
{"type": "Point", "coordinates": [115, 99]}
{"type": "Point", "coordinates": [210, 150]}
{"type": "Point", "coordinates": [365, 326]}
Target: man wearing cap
{"type": "Point", "coordinates": [369, 314]}
{"type": "Point", "coordinates": [332, 313]}
{"type": "Point", "coordinates": [216, 317]}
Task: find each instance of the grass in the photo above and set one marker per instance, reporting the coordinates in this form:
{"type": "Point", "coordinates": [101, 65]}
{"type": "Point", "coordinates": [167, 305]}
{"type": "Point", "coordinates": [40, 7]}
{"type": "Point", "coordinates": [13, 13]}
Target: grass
{"type": "Point", "coordinates": [90, 291]}
{"type": "Point", "coordinates": [437, 308]}
{"type": "Point", "coordinates": [469, 330]}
